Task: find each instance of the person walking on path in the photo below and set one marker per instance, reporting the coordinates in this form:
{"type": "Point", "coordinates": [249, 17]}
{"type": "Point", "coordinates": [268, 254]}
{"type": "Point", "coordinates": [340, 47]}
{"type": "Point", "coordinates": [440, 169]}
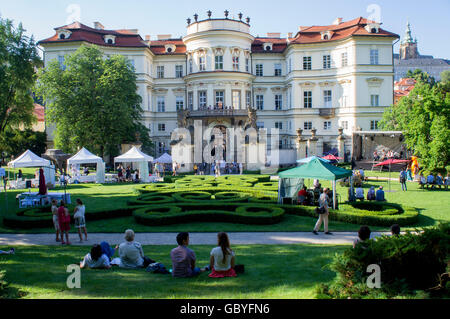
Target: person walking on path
{"type": "Point", "coordinates": [323, 213]}
{"type": "Point", "coordinates": [402, 178]}
{"type": "Point", "coordinates": [80, 222]}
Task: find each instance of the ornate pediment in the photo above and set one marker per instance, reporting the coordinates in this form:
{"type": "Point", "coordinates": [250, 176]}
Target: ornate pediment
{"type": "Point", "coordinates": [374, 81]}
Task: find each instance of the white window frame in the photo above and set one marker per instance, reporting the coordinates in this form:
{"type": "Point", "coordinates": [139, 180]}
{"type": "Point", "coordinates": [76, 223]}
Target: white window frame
{"type": "Point", "coordinates": [374, 55]}
{"type": "Point", "coordinates": [202, 63]}
{"type": "Point", "coordinates": [326, 125]}
{"type": "Point", "coordinates": [344, 59]}
{"type": "Point", "coordinates": [160, 71]}
{"type": "Point", "coordinates": [179, 103]}
{"type": "Point", "coordinates": [327, 98]}
{"type": "Point", "coordinates": [161, 103]}
{"type": "Point", "coordinates": [277, 69]}
{"type": "Point", "coordinates": [235, 63]}
{"type": "Point", "coordinates": [259, 69]}
{"type": "Point", "coordinates": [218, 62]}
{"type": "Point", "coordinates": [374, 100]}
{"type": "Point", "coordinates": [178, 71]}
{"type": "Point", "coordinates": [326, 61]}
{"type": "Point", "coordinates": [278, 102]}
{"type": "Point", "coordinates": [307, 99]}
{"type": "Point", "coordinates": [202, 99]}
{"type": "Point", "coordinates": [374, 125]}
{"type": "Point", "coordinates": [219, 96]}
{"type": "Point", "coordinates": [191, 100]}
{"type": "Point", "coordinates": [307, 63]}
{"type": "Point", "coordinates": [307, 125]}
{"type": "Point", "coordinates": [161, 127]}
{"type": "Point", "coordinates": [259, 98]}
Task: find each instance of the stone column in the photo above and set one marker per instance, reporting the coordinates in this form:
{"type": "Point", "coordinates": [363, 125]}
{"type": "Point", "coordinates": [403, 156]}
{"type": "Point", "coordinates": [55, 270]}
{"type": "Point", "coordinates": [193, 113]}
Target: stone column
{"type": "Point", "coordinates": [341, 144]}
{"type": "Point", "coordinates": [301, 145]}
{"type": "Point", "coordinates": [312, 143]}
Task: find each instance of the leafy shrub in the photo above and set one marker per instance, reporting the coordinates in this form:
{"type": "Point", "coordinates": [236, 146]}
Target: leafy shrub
{"type": "Point", "coordinates": [408, 262]}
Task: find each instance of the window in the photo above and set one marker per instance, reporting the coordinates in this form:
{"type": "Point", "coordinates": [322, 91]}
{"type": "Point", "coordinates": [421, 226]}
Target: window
{"type": "Point", "coordinates": [248, 99]}
{"type": "Point", "coordinates": [307, 63]}
{"type": "Point", "coordinates": [326, 61]}
{"type": "Point", "coordinates": [220, 98]}
{"type": "Point", "coordinates": [277, 69]}
{"type": "Point", "coordinates": [290, 65]}
{"type": "Point", "coordinates": [344, 125]}
{"type": "Point", "coordinates": [278, 102]}
{"type": "Point", "coordinates": [307, 125]}
{"type": "Point", "coordinates": [178, 71]}
{"type": "Point", "coordinates": [202, 99]}
{"type": "Point", "coordinates": [260, 125]}
{"type": "Point", "coordinates": [327, 98]}
{"type": "Point", "coordinates": [202, 63]}
{"type": "Point", "coordinates": [374, 100]}
{"type": "Point", "coordinates": [161, 147]}
{"type": "Point", "coordinates": [190, 66]}
{"type": "Point", "coordinates": [179, 102]}
{"type": "Point", "coordinates": [344, 59]}
{"type": "Point", "coordinates": [218, 59]}
{"type": "Point", "coordinates": [260, 102]}
{"type": "Point", "coordinates": [327, 125]}
{"type": "Point", "coordinates": [236, 63]}
{"type": "Point", "coordinates": [259, 70]}
{"type": "Point", "coordinates": [247, 65]}
{"type": "Point", "coordinates": [160, 71]}
{"type": "Point", "coordinates": [62, 66]}
{"type": "Point", "coordinates": [374, 125]}
{"type": "Point", "coordinates": [307, 99]}
{"type": "Point", "coordinates": [236, 100]}
{"type": "Point", "coordinates": [191, 100]}
{"type": "Point", "coordinates": [279, 125]}
{"type": "Point", "coordinates": [161, 104]}
{"type": "Point", "coordinates": [374, 56]}
{"type": "Point", "coordinates": [161, 127]}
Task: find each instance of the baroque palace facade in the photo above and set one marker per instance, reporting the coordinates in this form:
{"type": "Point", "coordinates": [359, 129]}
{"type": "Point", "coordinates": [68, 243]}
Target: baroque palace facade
{"type": "Point", "coordinates": [322, 83]}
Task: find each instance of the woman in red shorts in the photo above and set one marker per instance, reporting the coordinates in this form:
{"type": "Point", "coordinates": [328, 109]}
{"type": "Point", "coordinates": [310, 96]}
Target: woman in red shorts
{"type": "Point", "coordinates": [222, 258]}
{"type": "Point", "coordinates": [64, 222]}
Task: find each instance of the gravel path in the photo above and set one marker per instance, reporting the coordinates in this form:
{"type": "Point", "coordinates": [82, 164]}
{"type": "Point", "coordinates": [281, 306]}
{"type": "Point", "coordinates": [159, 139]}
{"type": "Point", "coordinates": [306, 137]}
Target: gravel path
{"type": "Point", "coordinates": [268, 238]}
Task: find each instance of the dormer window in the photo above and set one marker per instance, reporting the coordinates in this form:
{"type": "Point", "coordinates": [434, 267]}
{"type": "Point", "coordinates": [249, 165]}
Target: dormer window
{"type": "Point", "coordinates": [373, 27]}
{"type": "Point", "coordinates": [326, 35]}
{"type": "Point", "coordinates": [110, 39]}
{"type": "Point", "coordinates": [268, 46]}
{"type": "Point", "coordinates": [170, 48]}
{"type": "Point", "coordinates": [63, 34]}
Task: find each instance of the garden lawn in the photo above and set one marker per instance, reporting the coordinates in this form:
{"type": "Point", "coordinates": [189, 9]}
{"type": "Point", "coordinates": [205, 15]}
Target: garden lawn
{"type": "Point", "coordinates": [40, 272]}
{"type": "Point", "coordinates": [433, 205]}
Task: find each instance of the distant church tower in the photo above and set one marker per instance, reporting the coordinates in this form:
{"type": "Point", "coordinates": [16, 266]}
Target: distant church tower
{"type": "Point", "coordinates": [408, 47]}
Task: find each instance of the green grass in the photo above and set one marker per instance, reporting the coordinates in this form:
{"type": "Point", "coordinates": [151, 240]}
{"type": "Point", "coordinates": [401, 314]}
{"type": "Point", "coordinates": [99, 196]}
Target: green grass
{"type": "Point", "coordinates": [432, 204]}
{"type": "Point", "coordinates": [288, 271]}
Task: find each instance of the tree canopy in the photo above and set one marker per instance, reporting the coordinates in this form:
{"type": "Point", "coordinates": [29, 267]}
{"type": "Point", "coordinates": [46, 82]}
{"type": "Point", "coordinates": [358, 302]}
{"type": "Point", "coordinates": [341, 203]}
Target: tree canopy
{"type": "Point", "coordinates": [424, 118]}
{"type": "Point", "coordinates": [18, 60]}
{"type": "Point", "coordinates": [93, 101]}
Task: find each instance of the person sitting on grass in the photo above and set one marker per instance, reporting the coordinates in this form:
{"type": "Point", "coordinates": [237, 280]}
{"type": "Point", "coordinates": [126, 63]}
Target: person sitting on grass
{"type": "Point", "coordinates": [395, 230]}
{"type": "Point", "coordinates": [108, 250]}
{"type": "Point", "coordinates": [439, 180]}
{"type": "Point", "coordinates": [222, 258]}
{"type": "Point", "coordinates": [447, 181]}
{"type": "Point", "coordinates": [64, 222]}
{"type": "Point", "coordinates": [95, 259]}
{"type": "Point", "coordinates": [360, 193]}
{"type": "Point", "coordinates": [183, 258]}
{"type": "Point", "coordinates": [422, 180]}
{"type": "Point", "coordinates": [371, 193]}
{"type": "Point", "coordinates": [12, 251]}
{"type": "Point", "coordinates": [363, 235]}
{"type": "Point", "coordinates": [379, 196]}
{"type": "Point", "coordinates": [131, 253]}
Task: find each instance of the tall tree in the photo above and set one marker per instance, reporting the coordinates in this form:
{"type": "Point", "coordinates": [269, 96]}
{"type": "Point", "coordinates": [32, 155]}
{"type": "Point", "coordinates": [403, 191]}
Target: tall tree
{"type": "Point", "coordinates": [18, 60]}
{"type": "Point", "coordinates": [92, 100]}
{"type": "Point", "coordinates": [424, 118]}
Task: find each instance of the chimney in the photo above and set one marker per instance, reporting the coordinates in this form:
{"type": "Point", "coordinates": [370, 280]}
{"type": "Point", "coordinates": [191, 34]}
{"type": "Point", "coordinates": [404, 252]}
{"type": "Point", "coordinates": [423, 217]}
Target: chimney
{"type": "Point", "coordinates": [273, 34]}
{"type": "Point", "coordinates": [338, 21]}
{"type": "Point", "coordinates": [98, 26]}
{"type": "Point", "coordinates": [290, 35]}
{"type": "Point", "coordinates": [164, 36]}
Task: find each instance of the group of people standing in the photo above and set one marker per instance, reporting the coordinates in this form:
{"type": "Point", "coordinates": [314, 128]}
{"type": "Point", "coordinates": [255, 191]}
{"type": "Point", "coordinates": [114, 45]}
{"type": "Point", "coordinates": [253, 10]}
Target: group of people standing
{"type": "Point", "coordinates": [217, 168]}
{"type": "Point", "coordinates": [127, 174]}
{"type": "Point", "coordinates": [131, 256]}
{"type": "Point", "coordinates": [61, 220]}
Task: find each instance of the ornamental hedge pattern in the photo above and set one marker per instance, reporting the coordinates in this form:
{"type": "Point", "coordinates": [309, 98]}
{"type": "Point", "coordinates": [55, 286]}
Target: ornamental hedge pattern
{"type": "Point", "coordinates": [245, 199]}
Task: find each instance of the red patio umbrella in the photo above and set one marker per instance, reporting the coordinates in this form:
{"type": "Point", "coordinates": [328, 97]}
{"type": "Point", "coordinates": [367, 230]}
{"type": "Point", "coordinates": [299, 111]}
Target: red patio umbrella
{"type": "Point", "coordinates": [390, 162]}
{"type": "Point", "coordinates": [331, 157]}
{"type": "Point", "coordinates": [42, 186]}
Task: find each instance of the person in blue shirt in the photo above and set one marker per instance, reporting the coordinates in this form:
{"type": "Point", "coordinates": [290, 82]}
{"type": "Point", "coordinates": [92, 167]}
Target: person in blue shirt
{"type": "Point", "coordinates": [402, 178]}
{"type": "Point", "coordinates": [379, 196]}
{"type": "Point", "coordinates": [439, 180]}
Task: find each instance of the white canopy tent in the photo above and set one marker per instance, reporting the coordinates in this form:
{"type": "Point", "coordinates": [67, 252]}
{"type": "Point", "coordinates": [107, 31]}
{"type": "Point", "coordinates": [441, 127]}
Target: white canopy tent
{"type": "Point", "coordinates": [85, 157]}
{"type": "Point", "coordinates": [165, 159]}
{"type": "Point", "coordinates": [29, 159]}
{"type": "Point", "coordinates": [134, 155]}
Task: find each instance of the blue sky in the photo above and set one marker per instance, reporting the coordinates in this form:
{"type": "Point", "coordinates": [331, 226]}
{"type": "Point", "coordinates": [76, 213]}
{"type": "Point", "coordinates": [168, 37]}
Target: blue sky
{"type": "Point", "coordinates": [429, 19]}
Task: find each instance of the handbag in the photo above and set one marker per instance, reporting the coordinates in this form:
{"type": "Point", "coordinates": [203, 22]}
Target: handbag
{"type": "Point", "coordinates": [320, 210]}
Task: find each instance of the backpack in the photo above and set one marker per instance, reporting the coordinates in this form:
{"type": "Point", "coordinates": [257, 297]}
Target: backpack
{"type": "Point", "coordinates": [157, 268]}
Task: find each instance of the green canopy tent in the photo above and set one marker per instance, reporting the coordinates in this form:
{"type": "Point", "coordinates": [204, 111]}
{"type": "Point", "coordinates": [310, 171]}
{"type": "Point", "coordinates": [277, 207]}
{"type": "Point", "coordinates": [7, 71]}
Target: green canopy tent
{"type": "Point", "coordinates": [320, 170]}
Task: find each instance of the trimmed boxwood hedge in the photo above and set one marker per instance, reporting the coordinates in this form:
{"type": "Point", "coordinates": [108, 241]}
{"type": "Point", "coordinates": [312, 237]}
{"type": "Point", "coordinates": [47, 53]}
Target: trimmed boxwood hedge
{"type": "Point", "coordinates": [267, 185]}
{"type": "Point", "coordinates": [188, 196]}
{"type": "Point", "coordinates": [241, 215]}
{"type": "Point", "coordinates": [151, 199]}
{"type": "Point", "coordinates": [232, 196]}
